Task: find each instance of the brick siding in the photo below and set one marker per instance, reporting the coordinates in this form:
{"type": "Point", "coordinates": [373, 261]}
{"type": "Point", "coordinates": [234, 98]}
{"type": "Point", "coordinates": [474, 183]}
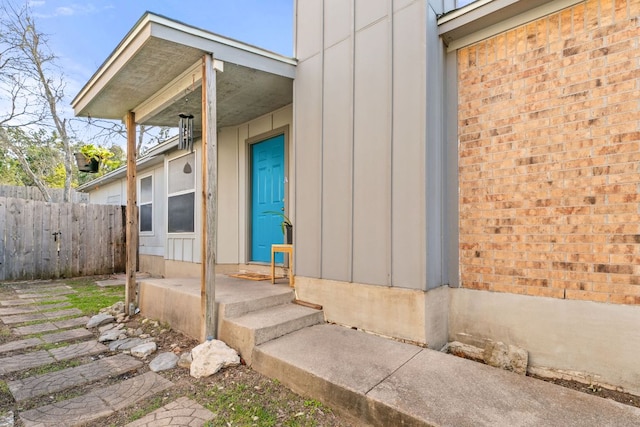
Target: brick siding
{"type": "Point", "coordinates": [549, 156]}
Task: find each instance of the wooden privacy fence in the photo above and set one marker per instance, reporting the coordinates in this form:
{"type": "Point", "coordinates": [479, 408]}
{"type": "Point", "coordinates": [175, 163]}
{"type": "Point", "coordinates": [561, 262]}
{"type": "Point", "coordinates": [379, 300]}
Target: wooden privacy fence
{"type": "Point", "coordinates": [33, 193]}
{"type": "Point", "coordinates": [42, 240]}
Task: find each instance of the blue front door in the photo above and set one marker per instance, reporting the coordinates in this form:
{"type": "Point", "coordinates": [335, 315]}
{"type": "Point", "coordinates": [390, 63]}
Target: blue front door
{"type": "Point", "coordinates": [267, 197]}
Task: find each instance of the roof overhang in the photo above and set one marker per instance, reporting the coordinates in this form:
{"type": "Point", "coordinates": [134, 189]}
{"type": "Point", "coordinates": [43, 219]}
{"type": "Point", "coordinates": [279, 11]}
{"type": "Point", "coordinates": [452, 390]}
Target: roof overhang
{"type": "Point", "coordinates": [156, 72]}
{"type": "Point", "coordinates": [485, 18]}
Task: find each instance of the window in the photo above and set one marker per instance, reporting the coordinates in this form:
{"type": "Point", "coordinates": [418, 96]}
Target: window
{"type": "Point", "coordinates": [181, 194]}
{"type": "Point", "coordinates": [461, 3]}
{"type": "Point", "coordinates": [145, 204]}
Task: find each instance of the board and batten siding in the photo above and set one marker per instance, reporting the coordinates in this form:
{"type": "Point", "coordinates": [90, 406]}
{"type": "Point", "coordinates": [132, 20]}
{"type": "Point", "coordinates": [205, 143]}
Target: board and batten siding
{"type": "Point", "coordinates": [360, 99]}
{"type": "Point", "coordinates": [234, 181]}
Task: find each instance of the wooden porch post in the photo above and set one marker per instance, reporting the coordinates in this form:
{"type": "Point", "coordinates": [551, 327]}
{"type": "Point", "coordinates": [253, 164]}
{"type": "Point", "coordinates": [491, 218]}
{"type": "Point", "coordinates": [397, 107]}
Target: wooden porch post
{"type": "Point", "coordinates": [209, 199]}
{"type": "Point", "coordinates": [132, 216]}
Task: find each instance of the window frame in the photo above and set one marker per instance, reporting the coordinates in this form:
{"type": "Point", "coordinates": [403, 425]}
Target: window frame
{"type": "Point", "coordinates": [169, 195]}
{"type": "Point", "coordinates": [141, 203]}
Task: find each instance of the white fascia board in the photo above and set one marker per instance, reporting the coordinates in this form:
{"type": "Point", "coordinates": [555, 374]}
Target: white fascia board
{"type": "Point", "coordinates": [225, 50]}
{"type": "Point", "coordinates": [207, 35]}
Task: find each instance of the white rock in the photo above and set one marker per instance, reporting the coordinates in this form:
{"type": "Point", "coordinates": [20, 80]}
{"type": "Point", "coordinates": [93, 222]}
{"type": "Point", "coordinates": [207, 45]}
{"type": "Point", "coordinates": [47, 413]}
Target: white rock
{"type": "Point", "coordinates": [118, 307]}
{"type": "Point", "coordinates": [6, 419]}
{"type": "Point", "coordinates": [99, 320]}
{"type": "Point", "coordinates": [163, 361]}
{"type": "Point", "coordinates": [144, 350]}
{"type": "Point", "coordinates": [211, 356]}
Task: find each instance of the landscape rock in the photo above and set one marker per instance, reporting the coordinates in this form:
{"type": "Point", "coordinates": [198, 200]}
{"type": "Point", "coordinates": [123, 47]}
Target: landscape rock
{"type": "Point", "coordinates": [185, 360]}
{"type": "Point", "coordinates": [6, 419]}
{"type": "Point", "coordinates": [163, 361]}
{"type": "Point", "coordinates": [110, 335]}
{"type": "Point", "coordinates": [126, 344]}
{"type": "Point", "coordinates": [509, 357]}
{"type": "Point", "coordinates": [144, 350]}
{"type": "Point", "coordinates": [465, 351]}
{"type": "Point", "coordinates": [211, 356]}
{"type": "Point", "coordinates": [99, 320]}
{"type": "Point", "coordinates": [107, 327]}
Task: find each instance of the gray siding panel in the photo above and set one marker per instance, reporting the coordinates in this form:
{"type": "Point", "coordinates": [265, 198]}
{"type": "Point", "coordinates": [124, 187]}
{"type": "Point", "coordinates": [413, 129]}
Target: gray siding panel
{"type": "Point", "coordinates": [409, 185]}
{"type": "Point", "coordinates": [337, 163]}
{"type": "Point", "coordinates": [372, 156]}
{"type": "Point", "coordinates": [308, 153]}
{"type": "Point", "coordinates": [369, 11]}
{"type": "Point", "coordinates": [308, 28]}
{"type": "Point", "coordinates": [338, 21]}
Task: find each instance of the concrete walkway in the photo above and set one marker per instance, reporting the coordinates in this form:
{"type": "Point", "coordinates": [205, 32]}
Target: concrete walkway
{"type": "Point", "coordinates": [387, 383]}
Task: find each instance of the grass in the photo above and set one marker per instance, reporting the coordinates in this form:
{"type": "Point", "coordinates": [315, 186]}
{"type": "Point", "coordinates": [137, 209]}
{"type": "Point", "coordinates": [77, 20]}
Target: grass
{"type": "Point", "coordinates": [47, 369]}
{"type": "Point", "coordinates": [261, 406]}
{"type": "Point", "coordinates": [6, 398]}
{"type": "Point", "coordinates": [154, 404]}
{"type": "Point", "coordinates": [91, 298]}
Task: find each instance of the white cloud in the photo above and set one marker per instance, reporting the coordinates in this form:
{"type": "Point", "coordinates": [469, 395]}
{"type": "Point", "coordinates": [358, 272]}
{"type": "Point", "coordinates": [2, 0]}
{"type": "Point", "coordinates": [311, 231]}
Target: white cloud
{"type": "Point", "coordinates": [64, 11]}
{"type": "Point", "coordinates": [72, 9]}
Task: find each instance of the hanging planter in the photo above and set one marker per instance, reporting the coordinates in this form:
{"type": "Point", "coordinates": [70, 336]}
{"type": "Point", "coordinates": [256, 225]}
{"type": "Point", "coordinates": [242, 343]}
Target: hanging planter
{"type": "Point", "coordinates": [86, 164]}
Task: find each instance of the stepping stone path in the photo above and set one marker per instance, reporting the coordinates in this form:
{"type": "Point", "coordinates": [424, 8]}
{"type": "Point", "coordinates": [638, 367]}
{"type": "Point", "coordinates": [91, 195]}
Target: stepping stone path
{"type": "Point", "coordinates": [182, 412]}
{"type": "Point", "coordinates": [97, 402]}
{"type": "Point", "coordinates": [53, 382]}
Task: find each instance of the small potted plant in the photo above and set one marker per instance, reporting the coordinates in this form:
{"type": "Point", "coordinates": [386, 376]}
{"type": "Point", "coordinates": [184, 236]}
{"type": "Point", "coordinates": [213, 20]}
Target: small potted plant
{"type": "Point", "coordinates": [286, 225]}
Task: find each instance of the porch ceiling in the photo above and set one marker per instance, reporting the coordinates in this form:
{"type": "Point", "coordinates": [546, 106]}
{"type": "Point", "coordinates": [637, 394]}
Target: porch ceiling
{"type": "Point", "coordinates": [159, 54]}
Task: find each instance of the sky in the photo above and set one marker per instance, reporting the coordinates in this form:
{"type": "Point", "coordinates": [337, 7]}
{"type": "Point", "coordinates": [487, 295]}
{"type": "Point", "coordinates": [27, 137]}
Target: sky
{"type": "Point", "coordinates": [82, 34]}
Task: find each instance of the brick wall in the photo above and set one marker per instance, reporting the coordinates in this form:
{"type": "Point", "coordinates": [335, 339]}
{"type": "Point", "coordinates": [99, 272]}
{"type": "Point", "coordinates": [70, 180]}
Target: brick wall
{"type": "Point", "coordinates": [549, 156]}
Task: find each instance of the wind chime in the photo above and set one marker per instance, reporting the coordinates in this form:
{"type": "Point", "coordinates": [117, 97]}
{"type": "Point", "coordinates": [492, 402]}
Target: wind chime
{"type": "Point", "coordinates": [185, 132]}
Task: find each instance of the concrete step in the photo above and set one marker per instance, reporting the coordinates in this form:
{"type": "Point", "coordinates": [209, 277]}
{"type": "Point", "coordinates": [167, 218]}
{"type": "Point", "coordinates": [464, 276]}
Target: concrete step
{"type": "Point", "coordinates": [89, 408]}
{"type": "Point", "coordinates": [382, 382]}
{"type": "Point", "coordinates": [230, 309]}
{"type": "Point", "coordinates": [249, 330]}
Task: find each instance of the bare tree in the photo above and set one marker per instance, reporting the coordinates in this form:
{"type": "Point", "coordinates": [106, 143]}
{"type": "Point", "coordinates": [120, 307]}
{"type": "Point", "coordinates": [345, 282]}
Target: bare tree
{"type": "Point", "coordinates": [105, 131]}
{"type": "Point", "coordinates": [31, 84]}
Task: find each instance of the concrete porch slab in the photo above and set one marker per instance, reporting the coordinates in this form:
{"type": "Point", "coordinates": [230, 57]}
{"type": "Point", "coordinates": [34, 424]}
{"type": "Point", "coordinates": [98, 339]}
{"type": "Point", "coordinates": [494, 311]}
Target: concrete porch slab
{"type": "Point", "coordinates": [176, 301]}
